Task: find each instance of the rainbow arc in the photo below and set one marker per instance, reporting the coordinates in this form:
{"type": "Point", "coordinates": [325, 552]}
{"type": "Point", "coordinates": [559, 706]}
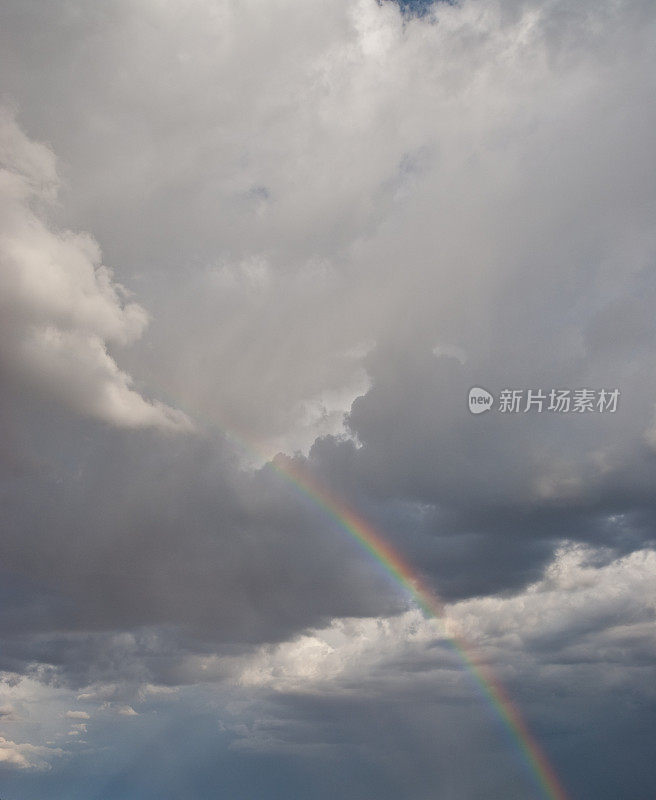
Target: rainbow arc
{"type": "Point", "coordinates": [404, 574]}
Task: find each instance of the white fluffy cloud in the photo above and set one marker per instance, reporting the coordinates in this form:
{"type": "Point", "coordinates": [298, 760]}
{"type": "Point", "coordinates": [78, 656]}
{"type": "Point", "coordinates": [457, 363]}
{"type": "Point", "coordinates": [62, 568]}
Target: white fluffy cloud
{"type": "Point", "coordinates": [77, 715]}
{"type": "Point", "coordinates": [26, 756]}
{"type": "Point", "coordinates": [579, 612]}
{"type": "Point", "coordinates": [61, 307]}
{"type": "Point", "coordinates": [291, 182]}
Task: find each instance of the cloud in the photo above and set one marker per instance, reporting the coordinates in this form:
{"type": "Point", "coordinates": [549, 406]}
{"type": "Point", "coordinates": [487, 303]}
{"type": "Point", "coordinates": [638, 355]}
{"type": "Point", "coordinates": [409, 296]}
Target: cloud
{"type": "Point", "coordinates": [195, 553]}
{"type": "Point", "coordinates": [380, 247]}
{"type": "Point", "coordinates": [8, 714]}
{"type": "Point", "coordinates": [25, 755]}
{"type": "Point", "coordinates": [367, 172]}
{"type": "Point", "coordinates": [358, 199]}
{"type": "Point", "coordinates": [337, 219]}
{"type": "Point", "coordinates": [61, 306]}
{"type": "Point", "coordinates": [77, 715]}
{"type": "Point", "coordinates": [580, 638]}
{"type": "Point", "coordinates": [580, 614]}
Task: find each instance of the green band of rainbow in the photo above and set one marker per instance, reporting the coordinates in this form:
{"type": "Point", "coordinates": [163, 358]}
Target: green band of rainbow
{"type": "Point", "coordinates": [430, 603]}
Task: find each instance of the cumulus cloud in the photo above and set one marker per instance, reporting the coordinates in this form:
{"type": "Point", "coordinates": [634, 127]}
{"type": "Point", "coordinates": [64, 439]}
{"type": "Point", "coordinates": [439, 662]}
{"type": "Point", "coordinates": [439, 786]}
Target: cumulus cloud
{"type": "Point", "coordinates": [579, 613]}
{"type": "Point", "coordinates": [61, 307]}
{"type": "Point", "coordinates": [26, 756]}
{"type": "Point", "coordinates": [584, 631]}
{"type": "Point", "coordinates": [77, 715]}
{"type": "Point", "coordinates": [377, 179]}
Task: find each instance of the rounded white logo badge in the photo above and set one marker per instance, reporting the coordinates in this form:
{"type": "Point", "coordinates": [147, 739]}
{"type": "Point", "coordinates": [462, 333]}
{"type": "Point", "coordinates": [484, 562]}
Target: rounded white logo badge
{"type": "Point", "coordinates": [480, 400]}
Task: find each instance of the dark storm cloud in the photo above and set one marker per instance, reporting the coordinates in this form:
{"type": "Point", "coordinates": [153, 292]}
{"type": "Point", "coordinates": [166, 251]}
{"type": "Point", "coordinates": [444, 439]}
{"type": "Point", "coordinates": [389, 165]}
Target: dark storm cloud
{"type": "Point", "coordinates": [482, 502]}
{"type": "Point", "coordinates": [111, 532]}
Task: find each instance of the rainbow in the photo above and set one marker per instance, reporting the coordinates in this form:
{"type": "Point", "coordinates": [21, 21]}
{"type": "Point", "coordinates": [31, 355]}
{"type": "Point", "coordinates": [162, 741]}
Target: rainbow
{"type": "Point", "coordinates": [430, 603]}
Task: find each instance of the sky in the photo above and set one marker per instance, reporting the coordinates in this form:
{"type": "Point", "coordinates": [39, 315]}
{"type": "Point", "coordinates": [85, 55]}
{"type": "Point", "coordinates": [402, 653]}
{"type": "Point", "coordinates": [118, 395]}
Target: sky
{"type": "Point", "coordinates": [249, 247]}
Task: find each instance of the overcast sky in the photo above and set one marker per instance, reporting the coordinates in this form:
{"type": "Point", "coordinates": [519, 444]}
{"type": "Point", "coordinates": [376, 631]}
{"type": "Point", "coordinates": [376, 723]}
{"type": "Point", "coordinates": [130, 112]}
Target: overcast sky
{"type": "Point", "coordinates": [231, 229]}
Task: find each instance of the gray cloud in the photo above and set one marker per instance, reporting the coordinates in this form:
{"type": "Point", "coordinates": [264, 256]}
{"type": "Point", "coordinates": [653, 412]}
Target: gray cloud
{"type": "Point", "coordinates": [61, 307]}
{"type": "Point", "coordinates": [506, 117]}
{"type": "Point", "coordinates": [336, 219]}
{"type": "Point", "coordinates": [141, 532]}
